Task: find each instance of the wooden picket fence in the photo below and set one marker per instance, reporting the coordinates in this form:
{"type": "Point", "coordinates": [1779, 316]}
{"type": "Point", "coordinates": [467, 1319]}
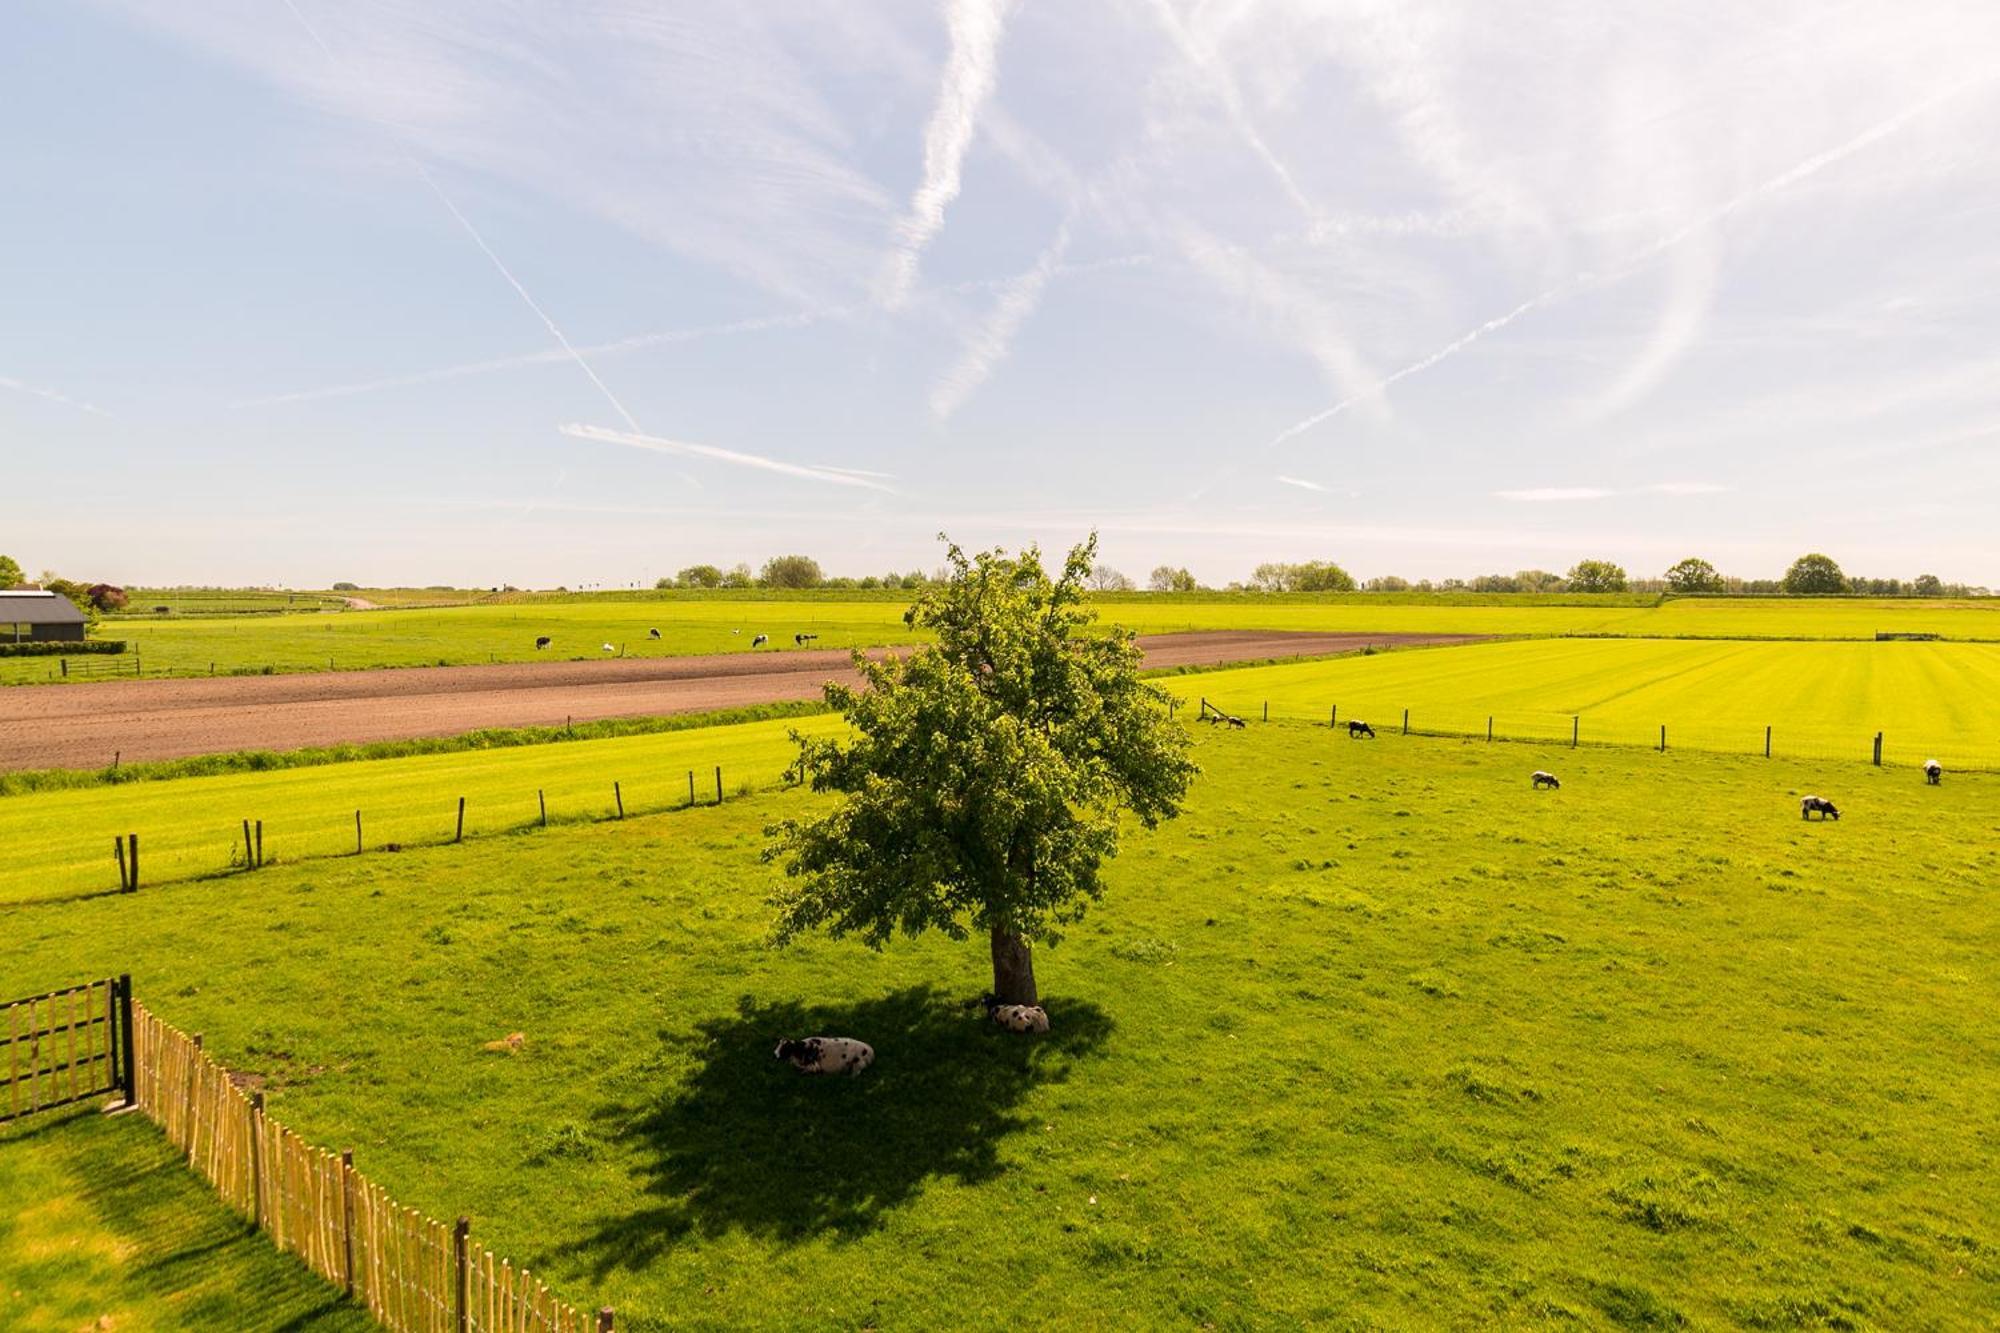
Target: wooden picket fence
{"type": "Point", "coordinates": [413, 1273]}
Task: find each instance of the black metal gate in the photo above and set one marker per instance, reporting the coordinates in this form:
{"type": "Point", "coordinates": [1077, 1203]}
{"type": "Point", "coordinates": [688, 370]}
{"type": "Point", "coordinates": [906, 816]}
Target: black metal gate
{"type": "Point", "coordinates": [65, 1046]}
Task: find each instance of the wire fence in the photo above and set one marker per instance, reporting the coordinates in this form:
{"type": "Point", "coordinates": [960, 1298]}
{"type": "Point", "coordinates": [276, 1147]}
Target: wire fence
{"type": "Point", "coordinates": [413, 1273]}
{"type": "Point", "coordinates": [1957, 752]}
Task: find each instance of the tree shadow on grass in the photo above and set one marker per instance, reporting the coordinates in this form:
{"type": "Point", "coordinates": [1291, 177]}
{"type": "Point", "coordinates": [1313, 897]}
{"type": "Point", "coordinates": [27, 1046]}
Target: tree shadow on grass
{"type": "Point", "coordinates": [748, 1144]}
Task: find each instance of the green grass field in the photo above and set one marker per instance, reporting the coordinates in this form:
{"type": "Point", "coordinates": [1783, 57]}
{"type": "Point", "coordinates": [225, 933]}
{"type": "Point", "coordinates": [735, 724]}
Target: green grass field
{"type": "Point", "coordinates": [1823, 700]}
{"type": "Point", "coordinates": [1372, 1036]}
{"type": "Point", "coordinates": [60, 842]}
{"type": "Point", "coordinates": [504, 630]}
{"type": "Point", "coordinates": [104, 1227]}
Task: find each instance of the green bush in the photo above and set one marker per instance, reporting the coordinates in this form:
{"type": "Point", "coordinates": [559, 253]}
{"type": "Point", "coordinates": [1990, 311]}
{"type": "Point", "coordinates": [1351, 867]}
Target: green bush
{"type": "Point", "coordinates": [61, 647]}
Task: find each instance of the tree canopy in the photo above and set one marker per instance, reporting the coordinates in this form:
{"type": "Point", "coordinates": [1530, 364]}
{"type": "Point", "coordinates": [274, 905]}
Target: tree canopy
{"type": "Point", "coordinates": [1168, 578]}
{"type": "Point", "coordinates": [983, 780]}
{"type": "Point", "coordinates": [1814, 573]}
{"type": "Point", "coordinates": [791, 571]}
{"type": "Point", "coordinates": [1596, 576]}
{"type": "Point", "coordinates": [1694, 575]}
{"type": "Point", "coordinates": [11, 574]}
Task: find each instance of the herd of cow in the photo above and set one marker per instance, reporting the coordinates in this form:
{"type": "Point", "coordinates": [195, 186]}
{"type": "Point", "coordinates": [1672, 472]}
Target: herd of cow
{"type": "Point", "coordinates": [798, 640]}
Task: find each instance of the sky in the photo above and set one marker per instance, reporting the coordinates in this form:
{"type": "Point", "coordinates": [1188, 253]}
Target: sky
{"type": "Point", "coordinates": [488, 291]}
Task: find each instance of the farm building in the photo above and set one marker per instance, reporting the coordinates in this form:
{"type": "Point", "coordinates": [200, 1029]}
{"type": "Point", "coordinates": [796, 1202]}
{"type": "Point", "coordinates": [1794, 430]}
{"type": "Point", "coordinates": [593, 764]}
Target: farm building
{"type": "Point", "coordinates": [27, 615]}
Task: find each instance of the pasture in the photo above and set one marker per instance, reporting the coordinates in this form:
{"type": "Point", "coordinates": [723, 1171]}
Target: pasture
{"type": "Point", "coordinates": [505, 629]}
{"type": "Point", "coordinates": [1824, 700]}
{"type": "Point", "coordinates": [1409, 1043]}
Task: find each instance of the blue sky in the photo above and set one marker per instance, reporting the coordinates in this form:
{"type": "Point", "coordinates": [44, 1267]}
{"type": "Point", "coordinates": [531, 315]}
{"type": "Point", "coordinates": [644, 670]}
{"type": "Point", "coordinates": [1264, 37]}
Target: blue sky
{"type": "Point", "coordinates": [476, 292]}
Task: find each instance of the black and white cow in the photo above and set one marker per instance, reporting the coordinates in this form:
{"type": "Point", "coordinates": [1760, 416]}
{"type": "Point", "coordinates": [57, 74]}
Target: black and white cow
{"type": "Point", "coordinates": [1824, 807]}
{"type": "Point", "coordinates": [1224, 720]}
{"type": "Point", "coordinates": [1357, 730]}
{"type": "Point", "coordinates": [1544, 778]}
{"type": "Point", "coordinates": [800, 640]}
{"type": "Point", "coordinates": [652, 634]}
{"type": "Point", "coordinates": [826, 1055]}
{"type": "Point", "coordinates": [1016, 1017]}
{"type": "Point", "coordinates": [760, 641]}
{"type": "Point", "coordinates": [542, 642]}
{"type": "Point", "coordinates": [1933, 772]}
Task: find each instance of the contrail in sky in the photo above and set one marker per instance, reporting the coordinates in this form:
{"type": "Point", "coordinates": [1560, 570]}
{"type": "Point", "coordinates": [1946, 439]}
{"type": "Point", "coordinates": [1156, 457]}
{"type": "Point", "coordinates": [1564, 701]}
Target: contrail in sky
{"type": "Point", "coordinates": [968, 81]}
{"type": "Point", "coordinates": [1784, 179]}
{"type": "Point", "coordinates": [19, 386]}
{"type": "Point", "coordinates": [465, 223]}
{"type": "Point", "coordinates": [684, 448]}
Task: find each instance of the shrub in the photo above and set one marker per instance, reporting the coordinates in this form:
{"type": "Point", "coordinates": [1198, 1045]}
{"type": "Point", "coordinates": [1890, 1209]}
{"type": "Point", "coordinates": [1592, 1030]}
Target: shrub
{"type": "Point", "coordinates": [62, 647]}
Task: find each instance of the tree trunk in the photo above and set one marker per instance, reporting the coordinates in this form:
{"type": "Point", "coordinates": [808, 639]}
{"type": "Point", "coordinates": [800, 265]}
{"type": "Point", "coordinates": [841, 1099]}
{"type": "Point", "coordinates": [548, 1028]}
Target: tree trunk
{"type": "Point", "coordinates": [1013, 969]}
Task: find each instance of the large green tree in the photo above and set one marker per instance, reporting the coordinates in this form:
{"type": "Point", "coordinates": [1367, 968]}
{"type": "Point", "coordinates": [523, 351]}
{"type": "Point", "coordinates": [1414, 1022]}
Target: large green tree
{"type": "Point", "coordinates": [11, 575]}
{"type": "Point", "coordinates": [1169, 578]}
{"type": "Point", "coordinates": [1595, 576]}
{"type": "Point", "coordinates": [1694, 575]}
{"type": "Point", "coordinates": [984, 777]}
{"type": "Point", "coordinates": [699, 576]}
{"type": "Point", "coordinates": [1814, 573]}
{"type": "Point", "coordinates": [791, 571]}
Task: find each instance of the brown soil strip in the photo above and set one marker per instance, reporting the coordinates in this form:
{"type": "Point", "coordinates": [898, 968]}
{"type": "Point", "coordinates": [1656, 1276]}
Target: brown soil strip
{"type": "Point", "coordinates": [83, 726]}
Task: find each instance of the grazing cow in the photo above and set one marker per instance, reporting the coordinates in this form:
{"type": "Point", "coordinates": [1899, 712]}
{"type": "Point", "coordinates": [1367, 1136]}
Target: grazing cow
{"type": "Point", "coordinates": [1933, 772]}
{"type": "Point", "coordinates": [652, 634]}
{"type": "Point", "coordinates": [1544, 778]}
{"type": "Point", "coordinates": [826, 1055]}
{"type": "Point", "coordinates": [1016, 1017]}
{"type": "Point", "coordinates": [1824, 807]}
{"type": "Point", "coordinates": [542, 642]}
{"type": "Point", "coordinates": [760, 641]}
{"type": "Point", "coordinates": [1356, 730]}
{"type": "Point", "coordinates": [1221, 719]}
{"type": "Point", "coordinates": [799, 640]}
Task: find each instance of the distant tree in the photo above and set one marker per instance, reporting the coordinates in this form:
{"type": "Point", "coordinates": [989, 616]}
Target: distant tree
{"type": "Point", "coordinates": [106, 596]}
{"type": "Point", "coordinates": [1694, 575]}
{"type": "Point", "coordinates": [739, 576]}
{"type": "Point", "coordinates": [1271, 576]}
{"type": "Point", "coordinates": [1927, 585]}
{"type": "Point", "coordinates": [1452, 585]}
{"type": "Point", "coordinates": [983, 777]}
{"type": "Point", "coordinates": [11, 575]}
{"type": "Point", "coordinates": [1595, 576]}
{"type": "Point", "coordinates": [663, 582]}
{"type": "Point", "coordinates": [1103, 578]}
{"type": "Point", "coordinates": [791, 571]}
{"type": "Point", "coordinates": [1167, 578]}
{"type": "Point", "coordinates": [77, 593]}
{"type": "Point", "coordinates": [1538, 580]}
{"type": "Point", "coordinates": [1814, 573]}
{"type": "Point", "coordinates": [345, 586]}
{"type": "Point", "coordinates": [1387, 583]}
{"type": "Point", "coordinates": [916, 578]}
{"type": "Point", "coordinates": [1496, 583]}
{"type": "Point", "coordinates": [1321, 576]}
{"type": "Point", "coordinates": [699, 576]}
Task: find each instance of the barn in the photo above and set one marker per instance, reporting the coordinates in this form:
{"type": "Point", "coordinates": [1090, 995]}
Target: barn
{"type": "Point", "coordinates": [27, 615]}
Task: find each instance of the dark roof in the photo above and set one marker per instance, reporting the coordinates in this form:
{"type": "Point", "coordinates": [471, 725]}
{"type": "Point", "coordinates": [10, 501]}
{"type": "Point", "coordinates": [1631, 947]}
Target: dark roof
{"type": "Point", "coordinates": [24, 607]}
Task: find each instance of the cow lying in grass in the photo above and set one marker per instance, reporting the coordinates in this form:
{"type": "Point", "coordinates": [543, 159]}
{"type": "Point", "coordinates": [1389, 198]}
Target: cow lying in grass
{"type": "Point", "coordinates": [1224, 720]}
{"type": "Point", "coordinates": [1016, 1017]}
{"type": "Point", "coordinates": [1824, 807]}
{"type": "Point", "coordinates": [1933, 772]}
{"type": "Point", "coordinates": [1544, 778]}
{"type": "Point", "coordinates": [1356, 730]}
{"type": "Point", "coordinates": [827, 1055]}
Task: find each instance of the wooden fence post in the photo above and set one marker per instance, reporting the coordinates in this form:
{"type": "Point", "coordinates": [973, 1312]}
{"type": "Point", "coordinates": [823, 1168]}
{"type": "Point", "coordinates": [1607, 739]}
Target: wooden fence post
{"type": "Point", "coordinates": [1489, 731]}
{"type": "Point", "coordinates": [1575, 726]}
{"type": "Point", "coordinates": [1406, 721]}
{"type": "Point", "coordinates": [618, 795]}
{"type": "Point", "coordinates": [459, 835]}
{"type": "Point", "coordinates": [1767, 742]}
{"type": "Point", "coordinates": [192, 1065]}
{"type": "Point", "coordinates": [718, 784]}
{"type": "Point", "coordinates": [124, 881]}
{"type": "Point", "coordinates": [1267, 710]}
{"type": "Point", "coordinates": [357, 833]}
{"type": "Point", "coordinates": [604, 1320]}
{"type": "Point", "coordinates": [256, 1161]}
{"type": "Point", "coordinates": [128, 1076]}
{"type": "Point", "coordinates": [260, 844]}
{"type": "Point", "coordinates": [1663, 738]}
{"type": "Point", "coordinates": [249, 861]}
{"type": "Point", "coordinates": [132, 859]}
{"type": "Point", "coordinates": [690, 789]}
{"type": "Point", "coordinates": [347, 1220]}
{"type": "Point", "coordinates": [1333, 716]}
{"type": "Point", "coordinates": [459, 1285]}
{"type": "Point", "coordinates": [542, 798]}
{"type": "Point", "coordinates": [1878, 749]}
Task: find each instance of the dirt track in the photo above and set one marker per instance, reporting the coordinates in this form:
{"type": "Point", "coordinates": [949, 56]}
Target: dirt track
{"type": "Point", "coordinates": [83, 726]}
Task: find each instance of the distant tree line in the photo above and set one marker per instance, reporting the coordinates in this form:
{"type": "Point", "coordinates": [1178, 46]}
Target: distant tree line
{"type": "Point", "coordinates": [1809, 575]}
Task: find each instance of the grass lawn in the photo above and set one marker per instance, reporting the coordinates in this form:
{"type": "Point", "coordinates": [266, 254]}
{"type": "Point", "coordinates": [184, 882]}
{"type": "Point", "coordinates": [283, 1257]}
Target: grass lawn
{"type": "Point", "coordinates": [1824, 700]}
{"type": "Point", "coordinates": [104, 1227]}
{"type": "Point", "coordinates": [505, 631]}
{"type": "Point", "coordinates": [1372, 1035]}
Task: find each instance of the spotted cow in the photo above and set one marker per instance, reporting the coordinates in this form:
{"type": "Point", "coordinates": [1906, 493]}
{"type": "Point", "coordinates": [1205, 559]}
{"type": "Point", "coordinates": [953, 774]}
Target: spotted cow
{"type": "Point", "coordinates": [826, 1055]}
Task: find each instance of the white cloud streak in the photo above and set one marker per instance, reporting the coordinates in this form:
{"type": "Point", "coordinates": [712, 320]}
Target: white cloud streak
{"type": "Point", "coordinates": [1299, 482]}
{"type": "Point", "coordinates": [989, 343]}
{"type": "Point", "coordinates": [735, 458]}
{"type": "Point", "coordinates": [51, 395]}
{"type": "Point", "coordinates": [1568, 494]}
{"type": "Point", "coordinates": [970, 73]}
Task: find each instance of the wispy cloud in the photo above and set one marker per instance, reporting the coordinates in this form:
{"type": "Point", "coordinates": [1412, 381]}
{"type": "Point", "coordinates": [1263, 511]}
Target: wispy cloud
{"type": "Point", "coordinates": [1300, 482]}
{"type": "Point", "coordinates": [1566, 494]}
{"type": "Point", "coordinates": [970, 73]}
{"type": "Point", "coordinates": [51, 395]}
{"type": "Point", "coordinates": [715, 454]}
{"type": "Point", "coordinates": [988, 344]}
